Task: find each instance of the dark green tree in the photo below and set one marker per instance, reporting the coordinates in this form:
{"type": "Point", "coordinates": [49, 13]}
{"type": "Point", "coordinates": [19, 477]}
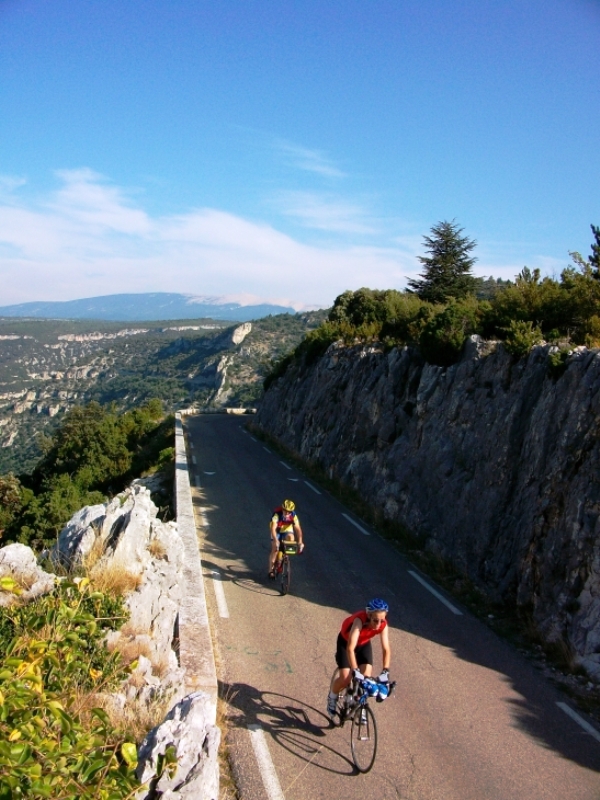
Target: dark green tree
{"type": "Point", "coordinates": [447, 268]}
{"type": "Point", "coordinates": [595, 255]}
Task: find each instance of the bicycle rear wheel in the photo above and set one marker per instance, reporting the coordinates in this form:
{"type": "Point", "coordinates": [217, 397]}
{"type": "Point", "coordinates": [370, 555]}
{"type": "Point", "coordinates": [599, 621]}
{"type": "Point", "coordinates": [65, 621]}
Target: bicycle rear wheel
{"type": "Point", "coordinates": [363, 738]}
{"type": "Point", "coordinates": [286, 575]}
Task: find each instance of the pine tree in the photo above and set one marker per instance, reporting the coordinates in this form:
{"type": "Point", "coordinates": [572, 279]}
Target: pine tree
{"type": "Point", "coordinates": [595, 255]}
{"type": "Point", "coordinates": [448, 266]}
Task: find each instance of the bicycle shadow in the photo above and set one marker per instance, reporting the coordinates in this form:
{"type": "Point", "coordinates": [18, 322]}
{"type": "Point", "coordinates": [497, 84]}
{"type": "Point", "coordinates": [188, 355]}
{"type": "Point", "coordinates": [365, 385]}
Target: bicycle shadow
{"type": "Point", "coordinates": [298, 727]}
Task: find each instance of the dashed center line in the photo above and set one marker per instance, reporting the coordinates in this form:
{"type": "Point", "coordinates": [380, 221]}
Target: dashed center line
{"type": "Point", "coordinates": [194, 460]}
{"type": "Point", "coordinates": [435, 593]}
{"type": "Point", "coordinates": [356, 525]}
{"type": "Point", "coordinates": [310, 486]}
{"type": "Point", "coordinates": [220, 595]}
{"type": "Point", "coordinates": [265, 763]}
{"type": "Point", "coordinates": [267, 449]}
{"type": "Point", "coordinates": [287, 466]}
{"type": "Point", "coordinates": [579, 720]}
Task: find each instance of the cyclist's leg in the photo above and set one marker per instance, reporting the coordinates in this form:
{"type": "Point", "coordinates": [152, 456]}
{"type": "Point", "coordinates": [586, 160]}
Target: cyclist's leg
{"type": "Point", "coordinates": [273, 553]}
{"type": "Point", "coordinates": [345, 672]}
{"type": "Point", "coordinates": [364, 659]}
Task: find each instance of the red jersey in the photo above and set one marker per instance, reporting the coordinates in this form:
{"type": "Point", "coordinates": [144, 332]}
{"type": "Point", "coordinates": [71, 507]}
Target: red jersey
{"type": "Point", "coordinates": [366, 633]}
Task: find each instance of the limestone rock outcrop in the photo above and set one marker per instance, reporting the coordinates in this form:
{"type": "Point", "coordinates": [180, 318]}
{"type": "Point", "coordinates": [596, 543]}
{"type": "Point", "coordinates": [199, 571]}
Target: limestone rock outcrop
{"type": "Point", "coordinates": [195, 742]}
{"type": "Point", "coordinates": [493, 463]}
{"type": "Point", "coordinates": [124, 541]}
{"type": "Point", "coordinates": [17, 561]}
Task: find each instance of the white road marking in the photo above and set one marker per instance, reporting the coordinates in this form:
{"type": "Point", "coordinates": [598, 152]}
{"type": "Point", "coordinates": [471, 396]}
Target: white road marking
{"type": "Point", "coordinates": [197, 480]}
{"type": "Point", "coordinates": [265, 763]}
{"type": "Point", "coordinates": [220, 595]}
{"type": "Point", "coordinates": [208, 473]}
{"type": "Point", "coordinates": [435, 593]}
{"type": "Point", "coordinates": [356, 525]}
{"type": "Point", "coordinates": [192, 445]}
{"type": "Point", "coordinates": [193, 459]}
{"type": "Point", "coordinates": [579, 720]}
{"type": "Point", "coordinates": [295, 480]}
{"type": "Point", "coordinates": [203, 518]}
{"type": "Point", "coordinates": [287, 466]}
{"type": "Point", "coordinates": [253, 439]}
{"type": "Point", "coordinates": [267, 449]}
{"type": "Point", "coordinates": [310, 486]}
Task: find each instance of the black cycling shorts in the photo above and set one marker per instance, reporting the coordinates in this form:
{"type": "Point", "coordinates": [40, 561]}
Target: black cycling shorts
{"type": "Point", "coordinates": [364, 654]}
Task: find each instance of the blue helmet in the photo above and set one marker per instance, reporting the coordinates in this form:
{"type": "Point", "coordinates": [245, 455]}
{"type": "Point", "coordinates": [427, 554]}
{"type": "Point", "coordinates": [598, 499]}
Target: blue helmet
{"type": "Point", "coordinates": [377, 604]}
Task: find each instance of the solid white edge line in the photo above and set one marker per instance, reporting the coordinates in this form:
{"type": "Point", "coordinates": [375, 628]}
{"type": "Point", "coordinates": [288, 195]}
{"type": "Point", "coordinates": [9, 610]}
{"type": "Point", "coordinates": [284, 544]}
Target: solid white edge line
{"type": "Point", "coordinates": [220, 595]}
{"type": "Point", "coordinates": [265, 763]}
{"type": "Point", "coordinates": [356, 525]}
{"type": "Point", "coordinates": [435, 593]}
{"type": "Point", "coordinates": [310, 486]}
{"type": "Point", "coordinates": [287, 466]}
{"type": "Point", "coordinates": [579, 720]}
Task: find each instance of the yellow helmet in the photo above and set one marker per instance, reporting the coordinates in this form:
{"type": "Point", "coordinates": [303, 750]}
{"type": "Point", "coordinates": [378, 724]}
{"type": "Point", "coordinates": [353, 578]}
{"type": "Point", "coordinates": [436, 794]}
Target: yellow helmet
{"type": "Point", "coordinates": [288, 505]}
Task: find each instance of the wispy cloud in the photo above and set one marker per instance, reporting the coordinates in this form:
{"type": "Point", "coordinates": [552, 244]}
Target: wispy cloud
{"type": "Point", "coordinates": [326, 212]}
{"type": "Point", "coordinates": [309, 160]}
{"type": "Point", "coordinates": [89, 237]}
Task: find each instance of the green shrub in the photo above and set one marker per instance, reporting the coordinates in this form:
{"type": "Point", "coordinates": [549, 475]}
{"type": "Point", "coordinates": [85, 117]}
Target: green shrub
{"type": "Point", "coordinates": [557, 362]}
{"type": "Point", "coordinates": [55, 741]}
{"type": "Point", "coordinates": [444, 334]}
{"type": "Point", "coordinates": [521, 337]}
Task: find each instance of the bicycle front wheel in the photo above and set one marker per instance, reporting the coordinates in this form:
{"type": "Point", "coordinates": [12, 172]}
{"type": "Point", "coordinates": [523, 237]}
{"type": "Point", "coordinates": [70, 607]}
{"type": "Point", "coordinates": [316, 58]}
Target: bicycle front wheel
{"type": "Point", "coordinates": [286, 575]}
{"type": "Point", "coordinates": [363, 738]}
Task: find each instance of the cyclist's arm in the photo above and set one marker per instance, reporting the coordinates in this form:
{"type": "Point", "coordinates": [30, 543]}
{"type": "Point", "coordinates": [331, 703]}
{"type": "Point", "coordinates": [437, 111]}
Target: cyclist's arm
{"type": "Point", "coordinates": [352, 642]}
{"type": "Point", "coordinates": [273, 528]}
{"type": "Point", "coordinates": [386, 652]}
{"type": "Point", "coordinates": [298, 532]}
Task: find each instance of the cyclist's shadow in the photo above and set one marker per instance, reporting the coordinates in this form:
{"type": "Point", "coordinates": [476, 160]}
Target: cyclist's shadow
{"type": "Point", "coordinates": [289, 722]}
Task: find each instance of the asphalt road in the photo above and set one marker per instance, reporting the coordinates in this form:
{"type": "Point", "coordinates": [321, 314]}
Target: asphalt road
{"type": "Point", "coordinates": [471, 719]}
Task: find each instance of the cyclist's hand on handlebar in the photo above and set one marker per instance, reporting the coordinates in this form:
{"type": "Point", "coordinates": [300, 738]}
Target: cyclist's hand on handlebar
{"type": "Point", "coordinates": [384, 677]}
{"type": "Point", "coordinates": [357, 675]}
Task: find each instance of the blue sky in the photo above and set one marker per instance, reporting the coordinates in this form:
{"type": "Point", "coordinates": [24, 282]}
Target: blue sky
{"type": "Point", "coordinates": [288, 151]}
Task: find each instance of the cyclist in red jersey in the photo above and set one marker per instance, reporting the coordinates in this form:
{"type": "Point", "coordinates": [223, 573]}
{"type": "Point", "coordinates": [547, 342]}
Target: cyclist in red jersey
{"type": "Point", "coordinates": [354, 654]}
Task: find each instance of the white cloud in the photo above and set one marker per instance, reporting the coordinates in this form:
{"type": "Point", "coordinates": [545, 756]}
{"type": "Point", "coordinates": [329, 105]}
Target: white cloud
{"type": "Point", "coordinates": [89, 238]}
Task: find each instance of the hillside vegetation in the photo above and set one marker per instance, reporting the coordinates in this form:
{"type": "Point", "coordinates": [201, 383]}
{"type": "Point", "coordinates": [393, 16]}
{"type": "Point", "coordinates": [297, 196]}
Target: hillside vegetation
{"type": "Point", "coordinates": [49, 366]}
{"type": "Point", "coordinates": [96, 452]}
{"type": "Point", "coordinates": [439, 312]}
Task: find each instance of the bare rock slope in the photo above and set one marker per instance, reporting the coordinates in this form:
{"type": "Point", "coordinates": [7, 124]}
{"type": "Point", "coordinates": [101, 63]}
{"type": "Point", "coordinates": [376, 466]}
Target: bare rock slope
{"type": "Point", "coordinates": [493, 463]}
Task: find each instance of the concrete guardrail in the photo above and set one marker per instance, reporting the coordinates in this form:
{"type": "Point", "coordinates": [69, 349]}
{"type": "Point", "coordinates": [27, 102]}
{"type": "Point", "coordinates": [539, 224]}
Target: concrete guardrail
{"type": "Point", "coordinates": [196, 653]}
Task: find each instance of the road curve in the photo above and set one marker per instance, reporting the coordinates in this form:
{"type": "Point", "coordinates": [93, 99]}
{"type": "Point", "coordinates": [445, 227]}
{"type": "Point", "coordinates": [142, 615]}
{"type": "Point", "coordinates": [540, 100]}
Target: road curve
{"type": "Point", "coordinates": [471, 719]}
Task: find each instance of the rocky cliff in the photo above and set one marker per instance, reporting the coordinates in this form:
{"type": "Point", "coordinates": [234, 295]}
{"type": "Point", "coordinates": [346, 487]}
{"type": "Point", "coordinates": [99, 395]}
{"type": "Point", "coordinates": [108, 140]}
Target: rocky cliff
{"type": "Point", "coordinates": [492, 463]}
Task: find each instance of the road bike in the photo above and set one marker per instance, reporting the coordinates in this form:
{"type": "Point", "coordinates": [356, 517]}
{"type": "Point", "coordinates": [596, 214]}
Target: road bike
{"type": "Point", "coordinates": [353, 707]}
{"type": "Point", "coordinates": [283, 566]}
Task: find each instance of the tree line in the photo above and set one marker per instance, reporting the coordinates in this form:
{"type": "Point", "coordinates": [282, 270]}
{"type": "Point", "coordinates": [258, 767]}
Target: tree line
{"type": "Point", "coordinates": [447, 303]}
{"type": "Point", "coordinates": [95, 453]}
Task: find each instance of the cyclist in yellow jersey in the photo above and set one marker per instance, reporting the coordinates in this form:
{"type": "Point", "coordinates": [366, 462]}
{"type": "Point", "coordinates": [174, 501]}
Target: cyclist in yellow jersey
{"type": "Point", "coordinates": [284, 525]}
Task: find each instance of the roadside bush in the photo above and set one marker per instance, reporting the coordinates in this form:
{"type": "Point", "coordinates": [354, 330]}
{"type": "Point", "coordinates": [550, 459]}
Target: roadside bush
{"type": "Point", "coordinates": [55, 739]}
{"type": "Point", "coordinates": [521, 337]}
{"type": "Point", "coordinates": [443, 336]}
{"type": "Point", "coordinates": [557, 362]}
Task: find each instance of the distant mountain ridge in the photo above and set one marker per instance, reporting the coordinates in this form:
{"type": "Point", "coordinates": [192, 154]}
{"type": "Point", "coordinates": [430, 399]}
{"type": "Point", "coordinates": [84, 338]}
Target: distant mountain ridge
{"type": "Point", "coordinates": [145, 306]}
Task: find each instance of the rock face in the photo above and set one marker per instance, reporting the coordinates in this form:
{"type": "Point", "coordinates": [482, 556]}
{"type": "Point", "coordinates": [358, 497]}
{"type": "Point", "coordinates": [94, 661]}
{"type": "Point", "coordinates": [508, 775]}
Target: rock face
{"type": "Point", "coordinates": [195, 741]}
{"type": "Point", "coordinates": [19, 563]}
{"type": "Point", "coordinates": [493, 463]}
{"type": "Point", "coordinates": [124, 541]}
